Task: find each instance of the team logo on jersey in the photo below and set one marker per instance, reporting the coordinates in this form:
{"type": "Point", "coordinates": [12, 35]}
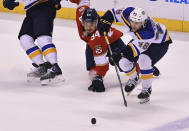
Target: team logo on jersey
{"type": "Point", "coordinates": [98, 49]}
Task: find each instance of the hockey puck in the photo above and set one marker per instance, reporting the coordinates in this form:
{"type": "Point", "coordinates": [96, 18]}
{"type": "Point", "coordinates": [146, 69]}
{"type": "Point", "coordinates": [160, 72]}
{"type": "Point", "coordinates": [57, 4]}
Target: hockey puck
{"type": "Point", "coordinates": [93, 120]}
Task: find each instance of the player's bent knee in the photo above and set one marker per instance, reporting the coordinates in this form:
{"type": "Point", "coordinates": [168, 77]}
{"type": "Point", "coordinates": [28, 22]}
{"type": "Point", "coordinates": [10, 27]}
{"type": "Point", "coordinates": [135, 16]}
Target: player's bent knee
{"type": "Point", "coordinates": [44, 40]}
{"type": "Point", "coordinates": [145, 61]}
{"type": "Point", "coordinates": [125, 64]}
{"type": "Point", "coordinates": [26, 41]}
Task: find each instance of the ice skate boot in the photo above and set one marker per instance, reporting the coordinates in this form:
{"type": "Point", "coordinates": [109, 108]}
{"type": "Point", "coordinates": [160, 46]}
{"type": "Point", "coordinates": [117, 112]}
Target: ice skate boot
{"type": "Point", "coordinates": [53, 75]}
{"type": "Point", "coordinates": [144, 96]}
{"type": "Point", "coordinates": [156, 72]}
{"type": "Point", "coordinates": [131, 84]}
{"type": "Point", "coordinates": [38, 71]}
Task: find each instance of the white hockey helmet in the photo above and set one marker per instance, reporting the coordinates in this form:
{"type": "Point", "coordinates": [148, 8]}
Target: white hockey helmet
{"type": "Point", "coordinates": [138, 15]}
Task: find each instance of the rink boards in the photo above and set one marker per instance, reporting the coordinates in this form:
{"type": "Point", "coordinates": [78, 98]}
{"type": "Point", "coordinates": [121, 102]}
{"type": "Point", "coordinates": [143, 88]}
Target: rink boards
{"type": "Point", "coordinates": [172, 13]}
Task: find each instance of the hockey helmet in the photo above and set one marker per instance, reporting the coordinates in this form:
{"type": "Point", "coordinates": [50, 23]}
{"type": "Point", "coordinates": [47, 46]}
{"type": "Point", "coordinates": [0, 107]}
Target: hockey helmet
{"type": "Point", "coordinates": [90, 15]}
{"type": "Point", "coordinates": [138, 15]}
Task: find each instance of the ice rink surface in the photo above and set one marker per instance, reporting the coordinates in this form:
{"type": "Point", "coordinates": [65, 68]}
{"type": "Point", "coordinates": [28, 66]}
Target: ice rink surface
{"type": "Point", "coordinates": [69, 106]}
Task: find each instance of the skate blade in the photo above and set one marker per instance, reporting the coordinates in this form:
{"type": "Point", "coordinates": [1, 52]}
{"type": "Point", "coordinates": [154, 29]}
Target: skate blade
{"type": "Point", "coordinates": [157, 77]}
{"type": "Point", "coordinates": [32, 79]}
{"type": "Point", "coordinates": [144, 101]}
{"type": "Point", "coordinates": [56, 80]}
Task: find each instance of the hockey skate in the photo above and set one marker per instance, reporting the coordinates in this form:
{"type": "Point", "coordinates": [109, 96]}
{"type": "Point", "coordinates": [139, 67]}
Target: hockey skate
{"type": "Point", "coordinates": [97, 85]}
{"type": "Point", "coordinates": [53, 75]}
{"type": "Point", "coordinates": [38, 71]}
{"type": "Point", "coordinates": [156, 72]}
{"type": "Point", "coordinates": [144, 96]}
{"type": "Point", "coordinates": [131, 84]}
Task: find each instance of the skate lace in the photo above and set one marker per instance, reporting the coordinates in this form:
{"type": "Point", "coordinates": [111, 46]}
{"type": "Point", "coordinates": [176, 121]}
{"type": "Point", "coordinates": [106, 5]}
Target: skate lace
{"type": "Point", "coordinates": [131, 82]}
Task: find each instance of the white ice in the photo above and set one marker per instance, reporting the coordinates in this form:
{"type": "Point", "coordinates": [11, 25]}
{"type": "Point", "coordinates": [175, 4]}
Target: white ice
{"type": "Point", "coordinates": [69, 106]}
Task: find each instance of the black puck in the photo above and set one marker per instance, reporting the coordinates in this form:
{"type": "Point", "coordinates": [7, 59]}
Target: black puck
{"type": "Point", "coordinates": [93, 120]}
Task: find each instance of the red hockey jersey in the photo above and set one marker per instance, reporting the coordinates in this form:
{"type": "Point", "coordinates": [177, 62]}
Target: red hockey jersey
{"type": "Point", "coordinates": [97, 43]}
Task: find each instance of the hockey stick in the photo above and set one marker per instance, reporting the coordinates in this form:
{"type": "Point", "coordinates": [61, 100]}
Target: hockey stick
{"type": "Point", "coordinates": [116, 68]}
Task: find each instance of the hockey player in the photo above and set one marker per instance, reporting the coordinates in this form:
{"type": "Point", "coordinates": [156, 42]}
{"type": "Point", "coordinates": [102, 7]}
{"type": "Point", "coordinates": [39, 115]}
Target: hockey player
{"type": "Point", "coordinates": [96, 48]}
{"type": "Point", "coordinates": [38, 25]}
{"type": "Point", "coordinates": [150, 43]}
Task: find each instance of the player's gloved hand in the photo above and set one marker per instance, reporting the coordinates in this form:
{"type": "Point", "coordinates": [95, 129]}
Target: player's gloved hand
{"type": "Point", "coordinates": [75, 1]}
{"type": "Point", "coordinates": [105, 23]}
{"type": "Point", "coordinates": [97, 85]}
{"type": "Point", "coordinates": [55, 4]}
{"type": "Point", "coordinates": [115, 57]}
{"type": "Point", "coordinates": [10, 4]}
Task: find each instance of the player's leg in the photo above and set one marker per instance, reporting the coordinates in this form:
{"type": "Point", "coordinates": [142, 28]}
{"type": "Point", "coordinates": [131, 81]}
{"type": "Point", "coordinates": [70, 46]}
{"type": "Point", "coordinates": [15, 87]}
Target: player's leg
{"type": "Point", "coordinates": [31, 49]}
{"type": "Point", "coordinates": [146, 61]}
{"type": "Point", "coordinates": [128, 65]}
{"type": "Point", "coordinates": [130, 70]}
{"type": "Point", "coordinates": [44, 16]}
{"type": "Point", "coordinates": [146, 71]}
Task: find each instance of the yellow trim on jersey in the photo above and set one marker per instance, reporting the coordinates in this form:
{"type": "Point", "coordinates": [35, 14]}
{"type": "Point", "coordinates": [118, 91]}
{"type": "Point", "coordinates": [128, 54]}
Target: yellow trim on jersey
{"type": "Point", "coordinates": [145, 77]}
{"type": "Point", "coordinates": [130, 73]}
{"type": "Point", "coordinates": [51, 50]}
{"type": "Point", "coordinates": [125, 19]}
{"type": "Point", "coordinates": [138, 35]}
{"type": "Point", "coordinates": [133, 49]}
{"type": "Point", "coordinates": [34, 54]}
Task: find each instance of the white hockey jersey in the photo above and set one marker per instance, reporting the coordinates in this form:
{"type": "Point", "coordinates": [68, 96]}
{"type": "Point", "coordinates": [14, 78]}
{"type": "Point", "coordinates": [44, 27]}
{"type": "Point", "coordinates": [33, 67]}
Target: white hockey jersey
{"type": "Point", "coordinates": [153, 32]}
